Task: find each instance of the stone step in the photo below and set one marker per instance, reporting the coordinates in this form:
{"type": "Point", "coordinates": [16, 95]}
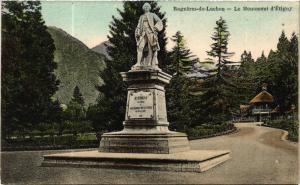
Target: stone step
{"type": "Point", "coordinates": [189, 161]}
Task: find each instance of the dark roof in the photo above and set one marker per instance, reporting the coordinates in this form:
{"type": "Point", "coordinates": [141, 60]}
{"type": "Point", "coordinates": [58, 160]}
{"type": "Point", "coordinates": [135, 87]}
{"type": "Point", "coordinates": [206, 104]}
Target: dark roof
{"type": "Point", "coordinates": [262, 97]}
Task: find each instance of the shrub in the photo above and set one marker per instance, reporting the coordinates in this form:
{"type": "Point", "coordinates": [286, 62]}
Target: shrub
{"type": "Point", "coordinates": [289, 125]}
{"type": "Point", "coordinates": [208, 129]}
{"type": "Point", "coordinates": [76, 127]}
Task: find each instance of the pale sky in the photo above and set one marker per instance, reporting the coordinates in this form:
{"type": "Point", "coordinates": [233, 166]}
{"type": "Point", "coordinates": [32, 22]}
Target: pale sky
{"type": "Point", "coordinates": [254, 31]}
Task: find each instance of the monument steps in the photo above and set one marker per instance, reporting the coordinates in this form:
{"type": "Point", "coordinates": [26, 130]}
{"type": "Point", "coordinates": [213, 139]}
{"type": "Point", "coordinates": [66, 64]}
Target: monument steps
{"type": "Point", "coordinates": [189, 161]}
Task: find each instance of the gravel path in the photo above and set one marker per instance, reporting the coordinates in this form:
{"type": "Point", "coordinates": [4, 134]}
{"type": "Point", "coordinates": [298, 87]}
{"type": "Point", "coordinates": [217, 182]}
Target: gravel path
{"type": "Point", "coordinates": [258, 156]}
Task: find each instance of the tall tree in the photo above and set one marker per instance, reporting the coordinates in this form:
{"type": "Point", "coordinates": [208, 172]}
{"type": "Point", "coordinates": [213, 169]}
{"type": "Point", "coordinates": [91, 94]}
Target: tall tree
{"type": "Point", "coordinates": [262, 58]}
{"type": "Point", "coordinates": [294, 58]}
{"type": "Point", "coordinates": [77, 96]}
{"type": "Point", "coordinates": [181, 58]}
{"type": "Point", "coordinates": [284, 70]}
{"type": "Point", "coordinates": [28, 81]}
{"type": "Point", "coordinates": [219, 99]}
{"type": "Point", "coordinates": [283, 43]}
{"type": "Point", "coordinates": [219, 48]}
{"type": "Point", "coordinates": [122, 51]}
{"type": "Point", "coordinates": [280, 71]}
{"type": "Point", "coordinates": [292, 78]}
{"type": "Point", "coordinates": [262, 72]}
{"type": "Point", "coordinates": [178, 97]}
{"type": "Point", "coordinates": [247, 77]}
{"type": "Point", "coordinates": [75, 110]}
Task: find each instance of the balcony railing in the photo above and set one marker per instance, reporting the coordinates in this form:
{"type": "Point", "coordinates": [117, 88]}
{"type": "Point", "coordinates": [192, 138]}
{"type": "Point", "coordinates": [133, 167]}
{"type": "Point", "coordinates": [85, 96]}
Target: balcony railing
{"type": "Point", "coordinates": [260, 111]}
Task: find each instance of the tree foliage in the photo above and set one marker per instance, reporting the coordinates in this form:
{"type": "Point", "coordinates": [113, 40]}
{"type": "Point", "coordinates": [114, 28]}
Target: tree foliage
{"type": "Point", "coordinates": [219, 98]}
{"type": "Point", "coordinates": [178, 96]}
{"type": "Point", "coordinates": [77, 96]}
{"type": "Point", "coordinates": [246, 77]}
{"type": "Point", "coordinates": [181, 58]}
{"type": "Point", "coordinates": [178, 99]}
{"type": "Point", "coordinates": [280, 71]}
{"type": "Point", "coordinates": [219, 48]}
{"type": "Point", "coordinates": [122, 50]}
{"type": "Point", "coordinates": [75, 109]}
{"type": "Point", "coordinates": [28, 82]}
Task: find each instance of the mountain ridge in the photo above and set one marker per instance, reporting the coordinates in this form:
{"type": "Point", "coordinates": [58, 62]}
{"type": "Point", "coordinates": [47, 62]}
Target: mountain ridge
{"type": "Point", "coordinates": [77, 65]}
{"type": "Point", "coordinates": [102, 49]}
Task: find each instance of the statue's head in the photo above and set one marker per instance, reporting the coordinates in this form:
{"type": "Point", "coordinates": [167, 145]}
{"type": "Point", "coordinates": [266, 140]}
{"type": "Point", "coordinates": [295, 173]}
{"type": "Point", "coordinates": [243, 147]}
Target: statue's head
{"type": "Point", "coordinates": [147, 7]}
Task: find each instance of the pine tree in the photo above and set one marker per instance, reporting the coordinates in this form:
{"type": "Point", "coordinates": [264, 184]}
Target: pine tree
{"type": "Point", "coordinates": [280, 71]}
{"type": "Point", "coordinates": [293, 48]}
{"type": "Point", "coordinates": [262, 58]}
{"type": "Point", "coordinates": [75, 109]}
{"type": "Point", "coordinates": [77, 96]}
{"type": "Point", "coordinates": [283, 43]}
{"type": "Point", "coordinates": [263, 72]}
{"type": "Point", "coordinates": [177, 93]}
{"type": "Point", "coordinates": [177, 97]}
{"type": "Point", "coordinates": [284, 69]}
{"type": "Point", "coordinates": [246, 58]}
{"type": "Point", "coordinates": [219, 100]}
{"type": "Point", "coordinates": [28, 81]}
{"type": "Point", "coordinates": [247, 65]}
{"type": "Point", "coordinates": [97, 114]}
{"type": "Point", "coordinates": [247, 77]}
{"type": "Point", "coordinates": [182, 60]}
{"type": "Point", "coordinates": [122, 51]}
{"type": "Point", "coordinates": [294, 58]}
{"type": "Point", "coordinates": [219, 48]}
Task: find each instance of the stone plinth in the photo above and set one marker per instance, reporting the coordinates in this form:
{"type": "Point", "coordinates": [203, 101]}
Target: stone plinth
{"type": "Point", "coordinates": [146, 125]}
{"type": "Point", "coordinates": [146, 104]}
{"type": "Point", "coordinates": [189, 161]}
{"type": "Point", "coordinates": [145, 142]}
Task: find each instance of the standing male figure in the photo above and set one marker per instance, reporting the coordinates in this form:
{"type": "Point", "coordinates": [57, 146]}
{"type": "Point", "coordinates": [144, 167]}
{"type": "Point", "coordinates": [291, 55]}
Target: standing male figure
{"type": "Point", "coordinates": [146, 38]}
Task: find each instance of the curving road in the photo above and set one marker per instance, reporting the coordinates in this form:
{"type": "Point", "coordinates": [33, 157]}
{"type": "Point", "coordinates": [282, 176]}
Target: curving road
{"type": "Point", "coordinates": [259, 156]}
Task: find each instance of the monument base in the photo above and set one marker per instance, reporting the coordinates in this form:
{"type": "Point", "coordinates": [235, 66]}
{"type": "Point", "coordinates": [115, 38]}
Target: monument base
{"type": "Point", "coordinates": [189, 161]}
{"type": "Point", "coordinates": [144, 142]}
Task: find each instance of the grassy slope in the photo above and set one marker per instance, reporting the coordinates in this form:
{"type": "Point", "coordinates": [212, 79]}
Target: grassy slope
{"type": "Point", "coordinates": [77, 65]}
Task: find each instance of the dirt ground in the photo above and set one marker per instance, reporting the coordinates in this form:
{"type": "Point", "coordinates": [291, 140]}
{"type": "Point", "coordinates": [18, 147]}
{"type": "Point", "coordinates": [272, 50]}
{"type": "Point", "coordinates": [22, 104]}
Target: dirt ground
{"type": "Point", "coordinates": [258, 156]}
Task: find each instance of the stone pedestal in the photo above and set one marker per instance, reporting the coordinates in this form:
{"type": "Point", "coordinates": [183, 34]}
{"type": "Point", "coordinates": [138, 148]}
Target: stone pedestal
{"type": "Point", "coordinates": [145, 142]}
{"type": "Point", "coordinates": [146, 125]}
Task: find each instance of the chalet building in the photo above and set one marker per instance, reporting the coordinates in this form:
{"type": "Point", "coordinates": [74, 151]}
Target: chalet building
{"type": "Point", "coordinates": [261, 105]}
{"type": "Point", "coordinates": [260, 108]}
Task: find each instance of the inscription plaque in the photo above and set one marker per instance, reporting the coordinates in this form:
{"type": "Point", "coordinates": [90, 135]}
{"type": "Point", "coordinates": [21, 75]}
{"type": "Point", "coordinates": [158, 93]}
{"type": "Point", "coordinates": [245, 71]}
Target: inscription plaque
{"type": "Point", "coordinates": [140, 105]}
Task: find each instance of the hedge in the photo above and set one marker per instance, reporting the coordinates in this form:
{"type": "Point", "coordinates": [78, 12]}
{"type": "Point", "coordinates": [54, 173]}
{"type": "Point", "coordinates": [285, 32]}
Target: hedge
{"type": "Point", "coordinates": [210, 130]}
{"type": "Point", "coordinates": [51, 142]}
{"type": "Point", "coordinates": [291, 126]}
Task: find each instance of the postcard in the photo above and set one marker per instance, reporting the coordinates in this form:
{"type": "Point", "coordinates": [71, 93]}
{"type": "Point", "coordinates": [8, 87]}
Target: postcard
{"type": "Point", "coordinates": [149, 92]}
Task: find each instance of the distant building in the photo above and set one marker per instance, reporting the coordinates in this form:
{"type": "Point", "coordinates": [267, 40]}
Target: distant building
{"type": "Point", "coordinates": [260, 107]}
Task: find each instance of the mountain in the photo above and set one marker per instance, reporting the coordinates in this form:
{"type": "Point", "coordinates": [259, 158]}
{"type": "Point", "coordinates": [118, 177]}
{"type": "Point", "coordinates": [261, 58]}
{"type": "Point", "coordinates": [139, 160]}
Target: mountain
{"type": "Point", "coordinates": [76, 65]}
{"type": "Point", "coordinates": [101, 48]}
